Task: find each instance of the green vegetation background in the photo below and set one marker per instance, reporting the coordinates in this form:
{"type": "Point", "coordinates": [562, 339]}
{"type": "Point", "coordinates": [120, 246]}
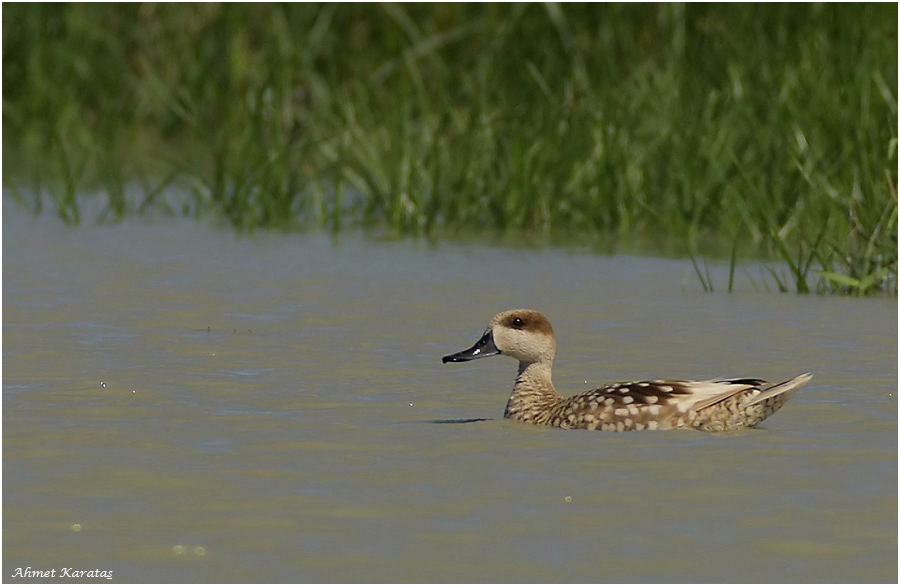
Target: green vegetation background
{"type": "Point", "coordinates": [767, 130]}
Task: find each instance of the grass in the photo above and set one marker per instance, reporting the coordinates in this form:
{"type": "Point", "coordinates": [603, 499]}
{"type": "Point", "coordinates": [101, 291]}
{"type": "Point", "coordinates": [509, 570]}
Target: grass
{"type": "Point", "coordinates": [755, 131]}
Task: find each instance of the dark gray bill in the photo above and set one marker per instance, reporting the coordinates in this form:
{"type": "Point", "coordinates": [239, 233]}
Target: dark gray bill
{"type": "Point", "coordinates": [483, 347]}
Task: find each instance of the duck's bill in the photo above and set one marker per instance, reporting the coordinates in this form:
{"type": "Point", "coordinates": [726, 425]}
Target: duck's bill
{"type": "Point", "coordinates": [483, 347]}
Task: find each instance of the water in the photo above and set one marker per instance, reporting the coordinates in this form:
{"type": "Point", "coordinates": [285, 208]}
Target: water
{"type": "Point", "coordinates": [181, 405]}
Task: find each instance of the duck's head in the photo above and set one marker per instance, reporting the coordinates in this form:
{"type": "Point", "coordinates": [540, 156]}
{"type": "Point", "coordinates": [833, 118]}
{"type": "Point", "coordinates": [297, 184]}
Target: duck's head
{"type": "Point", "coordinates": [524, 334]}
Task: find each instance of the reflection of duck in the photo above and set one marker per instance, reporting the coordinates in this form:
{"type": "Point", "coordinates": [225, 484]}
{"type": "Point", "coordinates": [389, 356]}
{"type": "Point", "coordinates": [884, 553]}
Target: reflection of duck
{"type": "Point", "coordinates": [710, 405]}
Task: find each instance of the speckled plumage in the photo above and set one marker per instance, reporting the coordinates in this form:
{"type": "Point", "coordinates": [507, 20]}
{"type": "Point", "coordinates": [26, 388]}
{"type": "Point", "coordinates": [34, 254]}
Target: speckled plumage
{"type": "Point", "coordinates": [710, 405]}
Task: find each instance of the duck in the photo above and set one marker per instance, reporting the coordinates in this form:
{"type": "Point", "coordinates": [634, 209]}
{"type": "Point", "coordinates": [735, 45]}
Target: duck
{"type": "Point", "coordinates": [719, 404]}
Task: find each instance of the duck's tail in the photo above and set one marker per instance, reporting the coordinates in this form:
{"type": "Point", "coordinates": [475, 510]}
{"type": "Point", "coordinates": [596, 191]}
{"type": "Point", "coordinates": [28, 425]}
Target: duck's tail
{"type": "Point", "coordinates": [770, 400]}
{"type": "Point", "coordinates": [735, 411]}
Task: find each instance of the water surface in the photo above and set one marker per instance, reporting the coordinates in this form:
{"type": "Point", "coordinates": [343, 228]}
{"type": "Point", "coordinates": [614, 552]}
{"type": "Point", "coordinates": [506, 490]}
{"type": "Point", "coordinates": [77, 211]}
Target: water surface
{"type": "Point", "coordinates": [180, 404]}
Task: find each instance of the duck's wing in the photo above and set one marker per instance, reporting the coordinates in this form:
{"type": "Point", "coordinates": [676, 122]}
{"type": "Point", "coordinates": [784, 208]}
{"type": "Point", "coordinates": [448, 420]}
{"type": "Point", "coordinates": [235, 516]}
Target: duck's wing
{"type": "Point", "coordinates": [665, 404]}
{"type": "Point", "coordinates": [691, 395]}
{"type": "Point", "coordinates": [660, 400]}
{"type": "Point", "coordinates": [705, 393]}
{"type": "Point", "coordinates": [684, 395]}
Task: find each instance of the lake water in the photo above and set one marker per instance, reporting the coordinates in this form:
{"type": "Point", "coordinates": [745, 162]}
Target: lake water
{"type": "Point", "coordinates": [184, 405]}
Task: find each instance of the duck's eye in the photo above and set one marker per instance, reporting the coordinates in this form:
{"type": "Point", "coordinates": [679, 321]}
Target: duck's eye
{"type": "Point", "coordinates": [518, 323]}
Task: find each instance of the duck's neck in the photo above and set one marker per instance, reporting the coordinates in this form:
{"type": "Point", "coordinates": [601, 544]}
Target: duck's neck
{"type": "Point", "coordinates": [534, 397]}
